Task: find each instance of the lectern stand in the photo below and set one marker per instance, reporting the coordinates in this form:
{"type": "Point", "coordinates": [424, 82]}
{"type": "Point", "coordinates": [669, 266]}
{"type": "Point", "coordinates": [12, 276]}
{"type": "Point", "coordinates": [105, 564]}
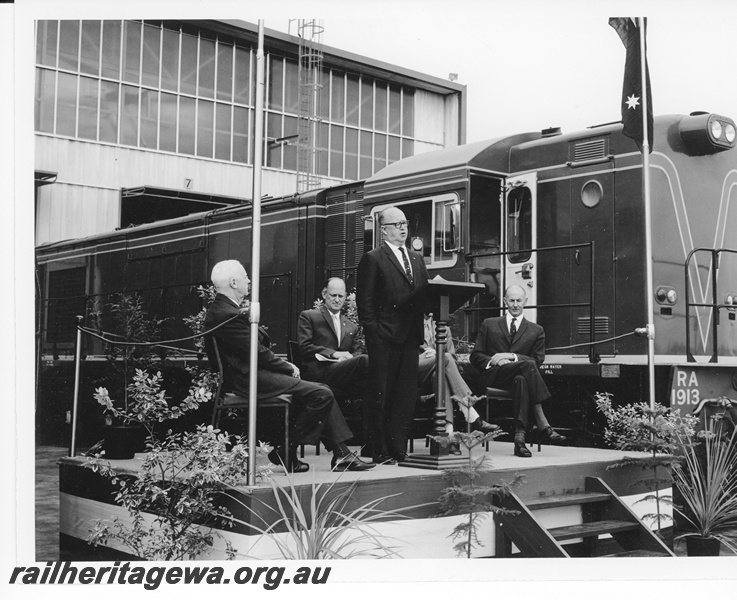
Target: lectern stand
{"type": "Point", "coordinates": [442, 298]}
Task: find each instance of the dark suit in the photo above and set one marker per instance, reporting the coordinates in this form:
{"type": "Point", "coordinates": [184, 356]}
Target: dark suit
{"type": "Point", "coordinates": [316, 401]}
{"type": "Point", "coordinates": [521, 377]}
{"type": "Point", "coordinates": [316, 335]}
{"type": "Point", "coordinates": [392, 320]}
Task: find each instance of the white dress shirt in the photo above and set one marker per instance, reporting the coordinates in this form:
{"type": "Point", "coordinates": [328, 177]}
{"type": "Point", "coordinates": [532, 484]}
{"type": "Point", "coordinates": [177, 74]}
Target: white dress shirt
{"type": "Point", "coordinates": [398, 254]}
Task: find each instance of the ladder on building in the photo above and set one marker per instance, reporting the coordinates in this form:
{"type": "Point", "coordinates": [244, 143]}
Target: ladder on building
{"type": "Point", "coordinates": [310, 88]}
{"type": "Point", "coordinates": [603, 512]}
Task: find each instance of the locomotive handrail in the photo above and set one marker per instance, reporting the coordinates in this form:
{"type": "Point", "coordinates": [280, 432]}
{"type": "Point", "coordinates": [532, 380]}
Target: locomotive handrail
{"type": "Point", "coordinates": [714, 305]}
{"type": "Point", "coordinates": [591, 304]}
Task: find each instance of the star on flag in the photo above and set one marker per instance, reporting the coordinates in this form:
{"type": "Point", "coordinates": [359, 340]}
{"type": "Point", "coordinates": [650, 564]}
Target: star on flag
{"type": "Point", "coordinates": [632, 101]}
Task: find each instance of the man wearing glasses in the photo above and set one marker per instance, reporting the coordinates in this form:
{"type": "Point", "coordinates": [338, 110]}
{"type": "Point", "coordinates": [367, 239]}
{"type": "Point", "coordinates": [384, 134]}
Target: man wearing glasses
{"type": "Point", "coordinates": [392, 317]}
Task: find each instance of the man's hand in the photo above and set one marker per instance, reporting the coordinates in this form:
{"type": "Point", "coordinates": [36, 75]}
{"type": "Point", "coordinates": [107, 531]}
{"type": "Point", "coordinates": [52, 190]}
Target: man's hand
{"type": "Point", "coordinates": [342, 355]}
{"type": "Point", "coordinates": [295, 369]}
{"type": "Point", "coordinates": [501, 358]}
{"type": "Point", "coordinates": [429, 353]}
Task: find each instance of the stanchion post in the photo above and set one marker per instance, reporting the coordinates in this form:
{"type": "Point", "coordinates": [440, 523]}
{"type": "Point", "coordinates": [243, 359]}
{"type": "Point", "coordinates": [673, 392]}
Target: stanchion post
{"type": "Point", "coordinates": [77, 363]}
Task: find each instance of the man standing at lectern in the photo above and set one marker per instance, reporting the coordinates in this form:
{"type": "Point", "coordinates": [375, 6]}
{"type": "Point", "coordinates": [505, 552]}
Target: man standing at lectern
{"type": "Point", "coordinates": [508, 352]}
{"type": "Point", "coordinates": [391, 313]}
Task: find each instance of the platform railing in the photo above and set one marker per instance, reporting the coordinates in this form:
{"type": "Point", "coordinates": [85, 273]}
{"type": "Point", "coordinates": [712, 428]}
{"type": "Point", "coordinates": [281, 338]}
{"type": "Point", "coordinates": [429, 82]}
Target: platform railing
{"type": "Point", "coordinates": [714, 305]}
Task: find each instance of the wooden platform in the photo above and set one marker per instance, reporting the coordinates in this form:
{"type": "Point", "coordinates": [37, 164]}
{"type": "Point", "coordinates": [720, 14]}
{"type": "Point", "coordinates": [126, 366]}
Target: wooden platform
{"type": "Point", "coordinates": [85, 498]}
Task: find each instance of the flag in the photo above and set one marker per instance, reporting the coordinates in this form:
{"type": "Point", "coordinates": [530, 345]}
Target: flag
{"type": "Point", "coordinates": [632, 95]}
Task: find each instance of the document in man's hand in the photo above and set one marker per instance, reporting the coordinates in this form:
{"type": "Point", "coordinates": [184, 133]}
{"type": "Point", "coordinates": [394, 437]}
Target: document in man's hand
{"type": "Point", "coordinates": [322, 358]}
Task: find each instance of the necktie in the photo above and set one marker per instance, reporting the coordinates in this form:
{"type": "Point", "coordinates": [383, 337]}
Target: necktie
{"type": "Point", "coordinates": [513, 328]}
{"type": "Point", "coordinates": [336, 322]}
{"type": "Point", "coordinates": [406, 264]}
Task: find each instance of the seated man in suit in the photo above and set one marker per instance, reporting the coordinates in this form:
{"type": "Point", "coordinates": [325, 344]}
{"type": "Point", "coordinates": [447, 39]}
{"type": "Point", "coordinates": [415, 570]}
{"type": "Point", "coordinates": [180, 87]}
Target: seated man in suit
{"type": "Point", "coordinates": [508, 353]}
{"type": "Point", "coordinates": [456, 386]}
{"type": "Point", "coordinates": [325, 332]}
{"type": "Point", "coordinates": [318, 412]}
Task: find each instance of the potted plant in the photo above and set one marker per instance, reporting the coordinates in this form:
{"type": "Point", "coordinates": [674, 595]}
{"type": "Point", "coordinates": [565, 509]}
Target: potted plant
{"type": "Point", "coordinates": [706, 479]}
{"type": "Point", "coordinates": [146, 404]}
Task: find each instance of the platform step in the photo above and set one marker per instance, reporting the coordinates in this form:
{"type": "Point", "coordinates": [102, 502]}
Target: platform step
{"type": "Point", "coordinates": [632, 554]}
{"type": "Point", "coordinates": [566, 500]}
{"type": "Point", "coordinates": [594, 529]}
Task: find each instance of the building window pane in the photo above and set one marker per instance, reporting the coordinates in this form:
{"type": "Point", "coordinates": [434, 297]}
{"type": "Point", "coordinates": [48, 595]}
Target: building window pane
{"type": "Point", "coordinates": [273, 148]}
{"type": "Point", "coordinates": [336, 151]}
{"type": "Point", "coordinates": [240, 135]}
{"type": "Point", "coordinates": [337, 97]}
{"type": "Point", "coordinates": [225, 72]}
{"type": "Point", "coordinates": [351, 101]}
{"type": "Point", "coordinates": [365, 154]}
{"type": "Point", "coordinates": [395, 109]}
{"type": "Point", "coordinates": [394, 149]}
{"type": "Point", "coordinates": [151, 55]}
{"type": "Point", "coordinates": [321, 145]}
{"type": "Point", "coordinates": [379, 152]}
{"type": "Point", "coordinates": [408, 113]}
{"type": "Point", "coordinates": [242, 75]}
{"type": "Point", "coordinates": [323, 95]}
{"type": "Point", "coordinates": [188, 79]}
{"type": "Point", "coordinates": [291, 128]}
{"type": "Point", "coordinates": [90, 62]}
{"type": "Point", "coordinates": [204, 128]}
{"type": "Point", "coordinates": [109, 111]}
{"type": "Point", "coordinates": [149, 118]}
{"type": "Point", "coordinates": [186, 125]}
{"type": "Point", "coordinates": [168, 123]}
{"type": "Point", "coordinates": [351, 154]}
{"type": "Point", "coordinates": [291, 93]}
{"type": "Point", "coordinates": [46, 43]}
{"type": "Point", "coordinates": [88, 96]}
{"type": "Point", "coordinates": [408, 148]}
{"type": "Point", "coordinates": [222, 131]}
{"type": "Point", "coordinates": [206, 86]}
{"type": "Point", "coordinates": [276, 84]}
{"type": "Point", "coordinates": [380, 108]}
{"type": "Point", "coordinates": [111, 49]}
{"type": "Point", "coordinates": [66, 105]}
{"type": "Point", "coordinates": [367, 103]}
{"type": "Point", "coordinates": [69, 45]}
{"type": "Point", "coordinates": [132, 52]}
{"type": "Point", "coordinates": [129, 116]}
{"type": "Point", "coordinates": [44, 117]}
{"type": "Point", "coordinates": [170, 60]}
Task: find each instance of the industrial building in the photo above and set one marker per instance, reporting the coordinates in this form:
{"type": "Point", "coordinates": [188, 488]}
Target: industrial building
{"type": "Point", "coordinates": [137, 121]}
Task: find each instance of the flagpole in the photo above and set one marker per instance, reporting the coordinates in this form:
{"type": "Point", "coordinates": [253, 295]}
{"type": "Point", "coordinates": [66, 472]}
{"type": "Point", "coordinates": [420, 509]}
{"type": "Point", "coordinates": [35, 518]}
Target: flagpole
{"type": "Point", "coordinates": [255, 307]}
{"type": "Point", "coordinates": [648, 219]}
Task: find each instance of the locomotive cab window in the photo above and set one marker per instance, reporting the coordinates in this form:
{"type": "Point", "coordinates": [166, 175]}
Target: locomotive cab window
{"type": "Point", "coordinates": [434, 228]}
{"type": "Point", "coordinates": [519, 224]}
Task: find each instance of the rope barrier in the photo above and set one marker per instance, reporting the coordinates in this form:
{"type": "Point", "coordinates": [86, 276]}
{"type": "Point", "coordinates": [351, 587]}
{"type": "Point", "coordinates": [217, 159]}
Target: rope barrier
{"type": "Point", "coordinates": [162, 343]}
{"type": "Point", "coordinates": [611, 339]}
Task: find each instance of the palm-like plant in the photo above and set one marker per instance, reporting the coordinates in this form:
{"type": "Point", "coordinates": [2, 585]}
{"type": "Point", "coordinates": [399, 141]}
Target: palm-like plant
{"type": "Point", "coordinates": [707, 480]}
{"type": "Point", "coordinates": [325, 527]}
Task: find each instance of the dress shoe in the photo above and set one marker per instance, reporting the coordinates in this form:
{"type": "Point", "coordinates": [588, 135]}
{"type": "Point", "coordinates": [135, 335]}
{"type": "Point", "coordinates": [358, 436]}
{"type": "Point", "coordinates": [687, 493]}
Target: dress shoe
{"type": "Point", "coordinates": [383, 459]}
{"type": "Point", "coordinates": [349, 463]}
{"type": "Point", "coordinates": [276, 456]}
{"type": "Point", "coordinates": [520, 449]}
{"type": "Point", "coordinates": [454, 449]}
{"type": "Point", "coordinates": [550, 435]}
{"type": "Point", "coordinates": [400, 457]}
{"type": "Point", "coordinates": [482, 426]}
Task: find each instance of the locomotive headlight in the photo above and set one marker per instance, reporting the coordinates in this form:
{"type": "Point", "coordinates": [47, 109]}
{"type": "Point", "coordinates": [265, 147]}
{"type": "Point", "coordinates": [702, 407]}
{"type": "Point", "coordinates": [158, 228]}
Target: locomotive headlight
{"type": "Point", "coordinates": [731, 301]}
{"type": "Point", "coordinates": [706, 133]}
{"type": "Point", "coordinates": [729, 132]}
{"type": "Point", "coordinates": [666, 295]}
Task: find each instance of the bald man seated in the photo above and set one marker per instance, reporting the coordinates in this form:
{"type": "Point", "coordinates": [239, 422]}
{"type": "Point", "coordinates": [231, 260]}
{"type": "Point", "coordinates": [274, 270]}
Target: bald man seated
{"type": "Point", "coordinates": [318, 414]}
{"type": "Point", "coordinates": [508, 352]}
